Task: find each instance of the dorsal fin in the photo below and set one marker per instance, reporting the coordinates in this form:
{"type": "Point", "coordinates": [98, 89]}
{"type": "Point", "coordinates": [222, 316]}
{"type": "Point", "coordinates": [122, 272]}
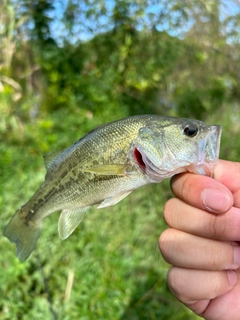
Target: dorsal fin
{"type": "Point", "coordinates": [50, 157]}
{"type": "Point", "coordinates": [50, 160]}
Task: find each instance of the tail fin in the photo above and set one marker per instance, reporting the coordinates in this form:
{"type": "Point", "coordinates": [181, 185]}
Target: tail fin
{"type": "Point", "coordinates": [24, 233]}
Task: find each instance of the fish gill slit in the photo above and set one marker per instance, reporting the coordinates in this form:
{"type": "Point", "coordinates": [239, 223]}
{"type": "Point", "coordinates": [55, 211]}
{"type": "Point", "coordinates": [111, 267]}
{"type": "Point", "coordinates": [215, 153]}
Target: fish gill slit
{"type": "Point", "coordinates": [138, 158]}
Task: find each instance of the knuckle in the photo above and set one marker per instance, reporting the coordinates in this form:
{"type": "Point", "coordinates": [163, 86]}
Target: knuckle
{"type": "Point", "coordinates": [169, 211]}
{"type": "Point", "coordinates": [166, 244]}
{"type": "Point", "coordinates": [217, 226]}
{"type": "Point", "coordinates": [173, 213]}
{"type": "Point", "coordinates": [163, 240]}
{"type": "Point", "coordinates": [189, 187]}
{"type": "Point", "coordinates": [215, 257]}
{"type": "Point", "coordinates": [176, 282]}
{"type": "Point", "coordinates": [182, 184]}
{"type": "Point", "coordinates": [219, 255]}
{"type": "Point", "coordinates": [216, 283]}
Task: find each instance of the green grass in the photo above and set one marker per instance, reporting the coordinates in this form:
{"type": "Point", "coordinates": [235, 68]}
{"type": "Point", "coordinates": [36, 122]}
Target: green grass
{"type": "Point", "coordinates": [109, 268]}
{"type": "Point", "coordinates": [114, 260]}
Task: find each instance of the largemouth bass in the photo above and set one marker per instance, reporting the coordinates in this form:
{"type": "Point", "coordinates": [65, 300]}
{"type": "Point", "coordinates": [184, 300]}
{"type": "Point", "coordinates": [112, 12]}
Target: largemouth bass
{"type": "Point", "coordinates": [109, 163]}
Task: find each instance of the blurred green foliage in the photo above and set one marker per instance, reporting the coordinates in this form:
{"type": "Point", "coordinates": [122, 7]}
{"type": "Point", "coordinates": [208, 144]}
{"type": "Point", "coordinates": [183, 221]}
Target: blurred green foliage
{"type": "Point", "coordinates": [109, 59]}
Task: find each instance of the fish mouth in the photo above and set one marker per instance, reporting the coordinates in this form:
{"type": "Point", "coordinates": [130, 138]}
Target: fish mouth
{"type": "Point", "coordinates": [209, 149]}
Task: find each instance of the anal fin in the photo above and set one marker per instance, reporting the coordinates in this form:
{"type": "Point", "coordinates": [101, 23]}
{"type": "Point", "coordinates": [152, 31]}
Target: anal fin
{"type": "Point", "coordinates": [69, 220]}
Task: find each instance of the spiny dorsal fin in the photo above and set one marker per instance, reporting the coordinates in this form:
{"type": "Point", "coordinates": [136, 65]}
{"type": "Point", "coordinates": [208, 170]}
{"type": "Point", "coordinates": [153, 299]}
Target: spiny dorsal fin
{"type": "Point", "coordinates": [50, 159]}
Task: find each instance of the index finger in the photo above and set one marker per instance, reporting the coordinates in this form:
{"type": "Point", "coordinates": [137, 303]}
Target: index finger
{"type": "Point", "coordinates": [203, 192]}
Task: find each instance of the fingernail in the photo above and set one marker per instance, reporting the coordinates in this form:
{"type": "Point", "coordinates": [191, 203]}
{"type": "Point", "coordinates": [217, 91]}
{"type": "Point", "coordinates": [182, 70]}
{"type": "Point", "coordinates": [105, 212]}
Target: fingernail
{"type": "Point", "coordinates": [215, 200]}
{"type": "Point", "coordinates": [236, 258]}
{"type": "Point", "coordinates": [236, 255]}
{"type": "Point", "coordinates": [232, 277]}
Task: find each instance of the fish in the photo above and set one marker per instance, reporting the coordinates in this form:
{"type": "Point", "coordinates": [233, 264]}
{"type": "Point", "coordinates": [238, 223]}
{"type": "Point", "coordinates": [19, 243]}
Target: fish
{"type": "Point", "coordinates": [107, 164]}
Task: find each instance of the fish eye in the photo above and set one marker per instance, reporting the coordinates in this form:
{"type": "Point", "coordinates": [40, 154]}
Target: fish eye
{"type": "Point", "coordinates": [190, 130]}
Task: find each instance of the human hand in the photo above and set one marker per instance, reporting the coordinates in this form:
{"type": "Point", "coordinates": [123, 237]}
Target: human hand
{"type": "Point", "coordinates": [202, 242]}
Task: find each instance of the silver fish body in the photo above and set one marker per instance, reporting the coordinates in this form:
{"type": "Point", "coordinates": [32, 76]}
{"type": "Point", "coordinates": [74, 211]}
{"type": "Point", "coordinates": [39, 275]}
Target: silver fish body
{"type": "Point", "coordinates": [107, 164]}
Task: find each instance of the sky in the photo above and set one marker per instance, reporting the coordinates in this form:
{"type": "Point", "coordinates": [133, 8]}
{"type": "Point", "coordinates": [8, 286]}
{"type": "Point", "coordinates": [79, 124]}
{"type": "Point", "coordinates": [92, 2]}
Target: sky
{"type": "Point", "coordinates": [80, 33]}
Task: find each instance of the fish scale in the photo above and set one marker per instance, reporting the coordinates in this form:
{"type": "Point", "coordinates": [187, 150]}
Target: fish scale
{"type": "Point", "coordinates": [109, 163]}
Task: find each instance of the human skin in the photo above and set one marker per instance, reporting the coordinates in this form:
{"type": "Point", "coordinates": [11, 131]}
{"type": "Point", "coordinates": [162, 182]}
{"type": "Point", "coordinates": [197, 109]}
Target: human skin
{"type": "Point", "coordinates": [202, 242]}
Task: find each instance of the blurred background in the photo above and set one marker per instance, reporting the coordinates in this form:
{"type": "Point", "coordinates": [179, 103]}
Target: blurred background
{"type": "Point", "coordinates": [68, 66]}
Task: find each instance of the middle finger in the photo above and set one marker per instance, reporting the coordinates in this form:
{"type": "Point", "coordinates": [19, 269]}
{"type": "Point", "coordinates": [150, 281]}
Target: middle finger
{"type": "Point", "coordinates": [188, 251]}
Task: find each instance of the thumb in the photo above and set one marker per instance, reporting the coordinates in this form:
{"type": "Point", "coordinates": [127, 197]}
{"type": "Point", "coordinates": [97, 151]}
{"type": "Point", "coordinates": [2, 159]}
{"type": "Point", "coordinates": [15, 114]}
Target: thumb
{"type": "Point", "coordinates": [228, 173]}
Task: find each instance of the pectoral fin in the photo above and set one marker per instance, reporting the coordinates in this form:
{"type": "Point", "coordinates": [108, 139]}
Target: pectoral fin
{"type": "Point", "coordinates": [108, 170]}
{"type": "Point", "coordinates": [69, 220]}
{"type": "Point", "coordinates": [113, 200]}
